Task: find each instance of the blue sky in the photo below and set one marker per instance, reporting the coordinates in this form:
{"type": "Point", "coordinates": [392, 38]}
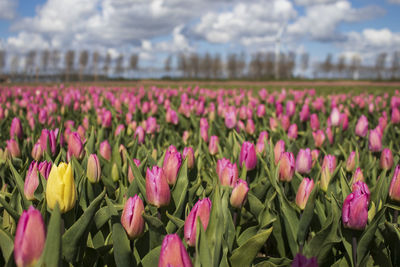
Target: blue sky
{"type": "Point", "coordinates": [155, 29]}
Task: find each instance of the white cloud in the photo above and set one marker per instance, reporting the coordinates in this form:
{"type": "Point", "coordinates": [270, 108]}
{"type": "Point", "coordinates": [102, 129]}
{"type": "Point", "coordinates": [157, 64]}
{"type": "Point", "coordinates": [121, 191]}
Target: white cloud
{"type": "Point", "coordinates": [394, 1]}
{"type": "Point", "coordinates": [313, 2]}
{"type": "Point", "coordinates": [321, 21]}
{"type": "Point", "coordinates": [7, 9]}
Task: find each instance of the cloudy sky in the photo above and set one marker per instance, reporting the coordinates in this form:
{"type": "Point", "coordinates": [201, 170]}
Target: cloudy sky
{"type": "Point", "coordinates": [157, 28]}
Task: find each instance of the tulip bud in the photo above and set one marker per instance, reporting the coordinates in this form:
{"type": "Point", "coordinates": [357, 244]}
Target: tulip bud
{"type": "Point", "coordinates": [273, 123]}
{"type": "Point", "coordinates": [335, 116]}
{"type": "Point", "coordinates": [314, 122]}
{"type": "Point", "coordinates": [131, 218]}
{"type": "Point", "coordinates": [44, 169]}
{"type": "Point", "coordinates": [262, 138]}
{"type": "Point", "coordinates": [351, 161]}
{"type": "Point", "coordinates": [30, 238]}
{"type": "Point", "coordinates": [248, 156]}
{"type": "Point", "coordinates": [286, 167]}
{"type": "Point", "coordinates": [31, 181]}
{"type": "Point", "coordinates": [16, 129]}
{"type": "Point", "coordinates": [362, 187]}
{"type": "Point", "coordinates": [290, 108]}
{"type": "Point", "coordinates": [106, 119]}
{"type": "Point", "coordinates": [314, 156]}
{"type": "Point", "coordinates": [75, 145]}
{"type": "Point", "coordinates": [358, 176]}
{"type": "Point", "coordinates": [344, 121]}
{"type": "Point", "coordinates": [61, 187]}
{"type": "Point", "coordinates": [221, 164]}
{"type": "Point", "coordinates": [157, 189]}
{"type": "Point", "coordinates": [319, 138]}
{"type": "Point", "coordinates": [114, 172]}
{"type": "Point", "coordinates": [394, 191]}
{"type": "Point", "coordinates": [93, 171]}
{"type": "Point", "coordinates": [355, 211]}
{"type": "Point", "coordinates": [120, 129]}
{"type": "Point", "coordinates": [130, 173]}
{"type": "Point", "coordinates": [362, 126]}
{"type": "Point", "coordinates": [204, 133]}
{"type": "Point", "coordinates": [50, 137]}
{"type": "Point", "coordinates": [189, 154]}
{"type": "Point", "coordinates": [395, 118]}
{"type": "Point", "coordinates": [213, 145]}
{"type": "Point", "coordinates": [250, 127]}
{"type": "Point", "coordinates": [386, 161]}
{"type": "Point", "coordinates": [139, 134]}
{"type": "Point", "coordinates": [304, 161]}
{"type": "Point", "coordinates": [301, 261]}
{"type": "Point", "coordinates": [13, 148]}
{"type": "Point", "coordinates": [172, 163]}
{"type": "Point", "coordinates": [285, 122]}
{"type": "Point", "coordinates": [329, 134]}
{"type": "Point", "coordinates": [261, 111]}
{"type": "Point", "coordinates": [230, 118]}
{"type": "Point", "coordinates": [292, 132]}
{"type": "Point", "coordinates": [328, 167]}
{"type": "Point", "coordinates": [105, 150]}
{"type": "Point", "coordinates": [239, 194]}
{"type": "Point", "coordinates": [375, 140]}
{"type": "Point", "coordinates": [185, 137]}
{"type": "Point", "coordinates": [37, 152]}
{"type": "Point", "coordinates": [200, 210]}
{"type": "Point", "coordinates": [279, 149]}
{"type": "Point", "coordinates": [173, 253]}
{"type": "Point", "coordinates": [229, 174]}
{"type": "Point", "coordinates": [303, 193]}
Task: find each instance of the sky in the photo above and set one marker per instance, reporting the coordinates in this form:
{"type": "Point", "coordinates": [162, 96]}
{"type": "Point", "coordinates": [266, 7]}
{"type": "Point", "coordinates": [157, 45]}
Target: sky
{"type": "Point", "coordinates": [155, 29]}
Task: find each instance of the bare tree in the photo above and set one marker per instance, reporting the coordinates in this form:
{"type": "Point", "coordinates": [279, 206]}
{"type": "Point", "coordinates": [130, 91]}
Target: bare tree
{"type": "Point", "coordinates": [395, 64]}
{"type": "Point", "coordinates": [216, 66]}
{"type": "Point", "coordinates": [341, 65]}
{"type": "Point", "coordinates": [83, 61]}
{"type": "Point", "coordinates": [205, 66]}
{"type": "Point", "coordinates": [119, 65]}
{"type": "Point", "coordinates": [269, 61]}
{"type": "Point", "coordinates": [14, 65]}
{"type": "Point", "coordinates": [133, 62]}
{"type": "Point", "coordinates": [232, 66]}
{"type": "Point", "coordinates": [355, 66]}
{"type": "Point", "coordinates": [256, 68]}
{"type": "Point", "coordinates": [194, 65]}
{"type": "Point", "coordinates": [30, 62]}
{"type": "Point", "coordinates": [304, 60]}
{"type": "Point", "coordinates": [241, 64]}
{"type": "Point", "coordinates": [2, 60]}
{"type": "Point", "coordinates": [69, 63]}
{"type": "Point", "coordinates": [327, 64]}
{"type": "Point", "coordinates": [290, 64]}
{"type": "Point", "coordinates": [183, 64]}
{"type": "Point", "coordinates": [95, 63]}
{"type": "Point", "coordinates": [168, 64]}
{"type": "Point", "coordinates": [380, 64]}
{"type": "Point", "coordinates": [45, 60]}
{"type": "Point", "coordinates": [55, 60]}
{"type": "Point", "coordinates": [107, 62]}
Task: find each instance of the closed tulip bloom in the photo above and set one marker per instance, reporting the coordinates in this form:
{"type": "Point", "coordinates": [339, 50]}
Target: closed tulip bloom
{"type": "Point", "coordinates": [105, 150]}
{"type": "Point", "coordinates": [114, 172]}
{"type": "Point", "coordinates": [362, 126]}
{"type": "Point", "coordinates": [314, 122]}
{"type": "Point", "coordinates": [106, 119]}
{"type": "Point", "coordinates": [131, 218]}
{"type": "Point", "coordinates": [139, 135]}
{"type": "Point", "coordinates": [131, 177]}
{"type": "Point", "coordinates": [302, 261]}
{"type": "Point", "coordinates": [386, 160]}
{"type": "Point", "coordinates": [75, 145]}
{"type": "Point", "coordinates": [221, 164]}
{"type": "Point", "coordinates": [230, 118]}
{"type": "Point", "coordinates": [93, 170]}
{"type": "Point", "coordinates": [304, 113]}
{"type": "Point", "coordinates": [273, 123]}
{"type": "Point", "coordinates": [48, 136]}
{"type": "Point", "coordinates": [200, 210]}
{"type": "Point", "coordinates": [395, 118]}
{"type": "Point", "coordinates": [328, 167]}
{"type": "Point", "coordinates": [351, 162]}
{"type": "Point", "coordinates": [171, 116]}
{"type": "Point", "coordinates": [319, 138]}
{"type": "Point", "coordinates": [185, 137]}
{"type": "Point", "coordinates": [329, 134]}
{"type": "Point", "coordinates": [335, 117]}
{"type": "Point", "coordinates": [314, 156]}
{"type": "Point", "coordinates": [261, 110]}
{"type": "Point", "coordinates": [304, 161]}
{"type": "Point", "coordinates": [278, 150]}
{"type": "Point", "coordinates": [13, 148]}
{"type": "Point", "coordinates": [61, 187]}
{"type": "Point", "coordinates": [358, 176]}
{"type": "Point", "coordinates": [31, 181]}
{"type": "Point", "coordinates": [171, 165]}
{"type": "Point", "coordinates": [189, 154]}
{"type": "Point", "coordinates": [16, 129]}
{"type": "Point", "coordinates": [290, 108]}
{"type": "Point", "coordinates": [157, 189]}
{"type": "Point", "coordinates": [303, 193]}
{"type": "Point", "coordinates": [394, 191]}
{"type": "Point", "coordinates": [229, 175]}
{"type": "Point", "coordinates": [250, 126]}
{"type": "Point", "coordinates": [204, 133]}
{"type": "Point", "coordinates": [292, 132]}
{"type": "Point", "coordinates": [286, 167]}
{"type": "Point", "coordinates": [173, 253]}
{"type": "Point", "coordinates": [30, 238]}
{"type": "Point", "coordinates": [44, 169]}
{"type": "Point", "coordinates": [151, 125]}
{"type": "Point", "coordinates": [120, 129]}
{"type": "Point", "coordinates": [375, 140]}
{"type": "Point", "coordinates": [213, 145]}
{"type": "Point", "coordinates": [239, 194]}
{"type": "Point", "coordinates": [362, 187]}
{"type": "Point", "coordinates": [285, 122]}
{"type": "Point", "coordinates": [355, 211]}
{"type": "Point", "coordinates": [248, 156]}
{"type": "Point", "coordinates": [344, 121]}
{"type": "Point", "coordinates": [37, 152]}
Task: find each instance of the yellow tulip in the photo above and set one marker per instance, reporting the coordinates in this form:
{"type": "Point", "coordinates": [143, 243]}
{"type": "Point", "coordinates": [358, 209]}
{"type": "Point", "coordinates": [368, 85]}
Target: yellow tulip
{"type": "Point", "coordinates": [61, 187]}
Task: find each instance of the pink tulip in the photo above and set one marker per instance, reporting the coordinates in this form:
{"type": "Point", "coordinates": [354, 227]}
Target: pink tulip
{"type": "Point", "coordinates": [279, 149]}
{"type": "Point", "coordinates": [386, 161]}
{"type": "Point", "coordinates": [286, 167]}
{"type": "Point", "coordinates": [394, 190]}
{"type": "Point", "coordinates": [362, 126]}
{"type": "Point", "coordinates": [173, 253]}
{"type": "Point", "coordinates": [213, 145]}
{"type": "Point", "coordinates": [157, 189]}
{"type": "Point", "coordinates": [304, 161]}
{"type": "Point", "coordinates": [200, 210]}
{"type": "Point", "coordinates": [131, 218]}
{"type": "Point", "coordinates": [171, 165]}
{"type": "Point", "coordinates": [239, 194]}
{"type": "Point", "coordinates": [248, 156]}
{"type": "Point", "coordinates": [303, 193]}
{"type": "Point", "coordinates": [355, 211]}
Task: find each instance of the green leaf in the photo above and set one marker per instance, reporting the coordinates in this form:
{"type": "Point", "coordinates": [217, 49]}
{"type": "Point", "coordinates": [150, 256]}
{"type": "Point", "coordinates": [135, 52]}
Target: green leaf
{"type": "Point", "coordinates": [151, 259]}
{"type": "Point", "coordinates": [20, 184]}
{"type": "Point", "coordinates": [52, 249]}
{"type": "Point", "coordinates": [9, 209]}
{"type": "Point", "coordinates": [71, 238]}
{"type": "Point", "coordinates": [245, 254]}
{"type": "Point", "coordinates": [122, 250]}
{"type": "Point", "coordinates": [6, 244]}
{"type": "Point", "coordinates": [306, 217]}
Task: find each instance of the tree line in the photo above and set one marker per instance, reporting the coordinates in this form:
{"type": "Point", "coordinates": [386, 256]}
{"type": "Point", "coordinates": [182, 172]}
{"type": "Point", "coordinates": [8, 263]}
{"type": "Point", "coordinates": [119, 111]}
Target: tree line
{"type": "Point", "coordinates": [83, 65]}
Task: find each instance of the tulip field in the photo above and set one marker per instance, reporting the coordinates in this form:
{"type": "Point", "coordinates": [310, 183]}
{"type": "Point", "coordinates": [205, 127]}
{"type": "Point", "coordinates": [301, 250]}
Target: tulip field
{"type": "Point", "coordinates": [196, 176]}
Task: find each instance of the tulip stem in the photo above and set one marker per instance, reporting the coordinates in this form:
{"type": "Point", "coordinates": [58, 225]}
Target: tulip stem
{"type": "Point", "coordinates": [354, 246]}
{"type": "Point", "coordinates": [395, 216]}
